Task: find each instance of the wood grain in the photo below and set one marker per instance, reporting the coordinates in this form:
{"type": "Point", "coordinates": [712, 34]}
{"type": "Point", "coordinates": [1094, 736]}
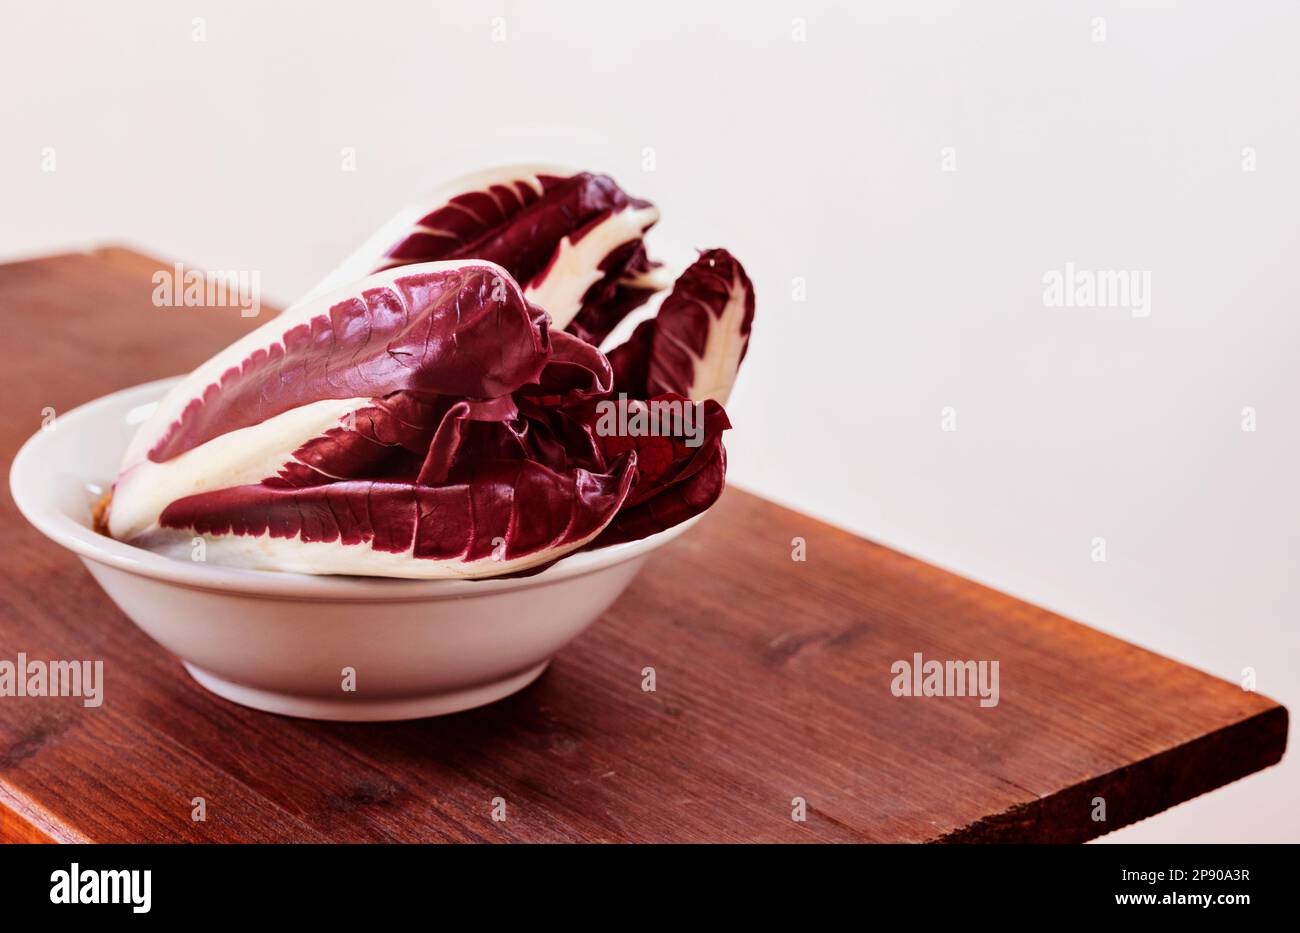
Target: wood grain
{"type": "Point", "coordinates": [773, 681]}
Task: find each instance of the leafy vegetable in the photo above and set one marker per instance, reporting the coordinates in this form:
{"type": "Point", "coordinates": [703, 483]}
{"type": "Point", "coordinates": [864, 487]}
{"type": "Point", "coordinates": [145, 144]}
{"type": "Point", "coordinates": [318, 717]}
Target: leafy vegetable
{"type": "Point", "coordinates": [573, 241]}
{"type": "Point", "coordinates": [675, 481]}
{"type": "Point", "coordinates": [695, 345]}
{"type": "Point", "coordinates": [429, 417]}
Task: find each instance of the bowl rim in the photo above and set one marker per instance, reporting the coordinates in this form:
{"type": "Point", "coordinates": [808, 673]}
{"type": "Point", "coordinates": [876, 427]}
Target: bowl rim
{"type": "Point", "coordinates": [90, 545]}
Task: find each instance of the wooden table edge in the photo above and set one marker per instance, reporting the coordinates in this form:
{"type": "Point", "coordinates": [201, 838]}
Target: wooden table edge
{"type": "Point", "coordinates": [1188, 770]}
{"type": "Point", "coordinates": [24, 821]}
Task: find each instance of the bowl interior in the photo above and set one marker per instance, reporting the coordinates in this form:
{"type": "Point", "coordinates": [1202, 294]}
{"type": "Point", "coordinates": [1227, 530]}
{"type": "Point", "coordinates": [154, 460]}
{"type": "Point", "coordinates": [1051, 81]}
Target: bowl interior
{"type": "Point", "coordinates": [64, 469]}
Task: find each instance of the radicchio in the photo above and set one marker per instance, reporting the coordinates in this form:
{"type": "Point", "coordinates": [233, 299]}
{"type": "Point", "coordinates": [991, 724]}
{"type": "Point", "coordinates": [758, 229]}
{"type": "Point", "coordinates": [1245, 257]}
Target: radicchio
{"type": "Point", "coordinates": [691, 351]}
{"type": "Point", "coordinates": [439, 407]}
{"type": "Point", "coordinates": [384, 418]}
{"type": "Point", "coordinates": [573, 241]}
{"type": "Point", "coordinates": [695, 345]}
{"type": "Point", "coordinates": [674, 480]}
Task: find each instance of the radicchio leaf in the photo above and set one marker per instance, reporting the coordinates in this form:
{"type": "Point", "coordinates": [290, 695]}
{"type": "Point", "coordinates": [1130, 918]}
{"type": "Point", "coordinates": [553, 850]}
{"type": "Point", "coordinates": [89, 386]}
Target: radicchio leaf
{"type": "Point", "coordinates": [492, 494]}
{"type": "Point", "coordinates": [461, 329]}
{"type": "Point", "coordinates": [630, 281]}
{"type": "Point", "coordinates": [473, 434]}
{"type": "Point", "coordinates": [511, 516]}
{"type": "Point", "coordinates": [630, 361]}
{"type": "Point", "coordinates": [573, 240]}
{"type": "Point", "coordinates": [695, 344]}
{"type": "Point", "coordinates": [675, 481]}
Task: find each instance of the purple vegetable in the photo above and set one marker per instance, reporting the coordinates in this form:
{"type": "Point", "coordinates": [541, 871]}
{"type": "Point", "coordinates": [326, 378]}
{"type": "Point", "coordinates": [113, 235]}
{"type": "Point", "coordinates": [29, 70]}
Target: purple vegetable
{"type": "Point", "coordinates": [429, 420]}
{"type": "Point", "coordinates": [430, 416]}
{"type": "Point", "coordinates": [573, 241]}
{"type": "Point", "coordinates": [460, 330]}
{"type": "Point", "coordinates": [695, 344]}
{"type": "Point", "coordinates": [674, 481]}
{"type": "Point", "coordinates": [509, 516]}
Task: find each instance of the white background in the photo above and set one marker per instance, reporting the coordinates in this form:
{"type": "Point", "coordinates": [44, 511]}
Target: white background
{"type": "Point", "coordinates": [818, 159]}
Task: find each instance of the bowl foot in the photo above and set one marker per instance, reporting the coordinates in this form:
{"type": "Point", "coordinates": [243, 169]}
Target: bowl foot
{"type": "Point", "coordinates": [361, 709]}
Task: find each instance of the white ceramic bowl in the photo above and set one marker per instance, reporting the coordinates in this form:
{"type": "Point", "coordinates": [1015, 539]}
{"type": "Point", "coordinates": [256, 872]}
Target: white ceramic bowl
{"type": "Point", "coordinates": [280, 641]}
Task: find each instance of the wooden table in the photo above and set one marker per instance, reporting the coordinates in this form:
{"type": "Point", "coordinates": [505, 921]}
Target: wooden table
{"type": "Point", "coordinates": [773, 680]}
